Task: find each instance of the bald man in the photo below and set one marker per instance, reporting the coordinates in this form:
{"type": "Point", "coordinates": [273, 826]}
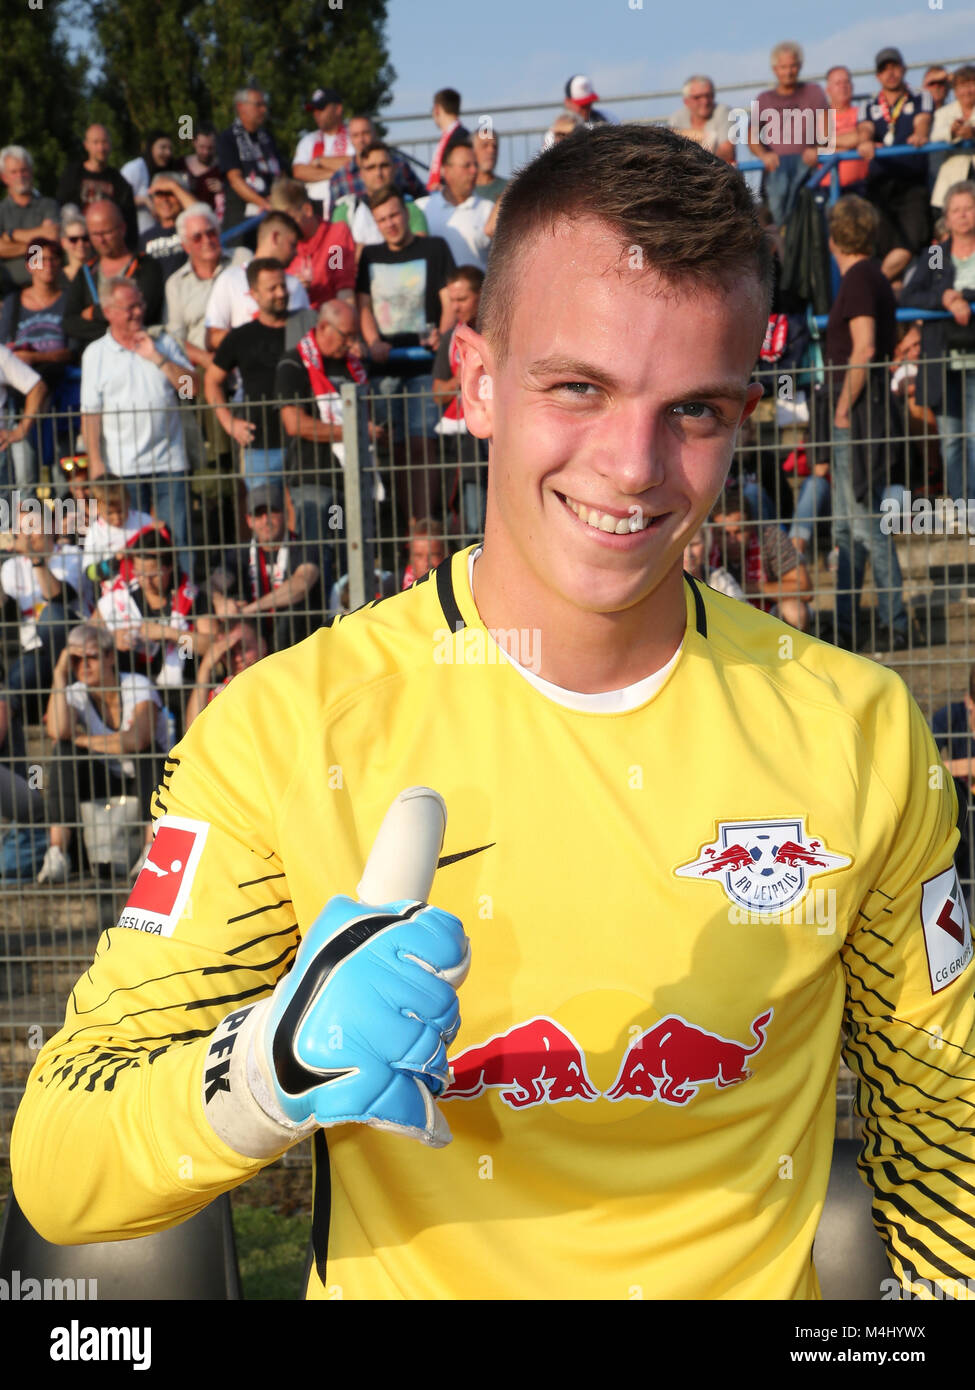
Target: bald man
{"type": "Point", "coordinates": [92, 178]}
{"type": "Point", "coordinates": [83, 317]}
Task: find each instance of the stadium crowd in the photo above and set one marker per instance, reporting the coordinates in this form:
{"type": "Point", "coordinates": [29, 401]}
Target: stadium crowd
{"type": "Point", "coordinates": [176, 505]}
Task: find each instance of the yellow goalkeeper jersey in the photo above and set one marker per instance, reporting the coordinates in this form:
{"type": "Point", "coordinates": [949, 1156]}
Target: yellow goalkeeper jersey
{"type": "Point", "coordinates": [674, 908]}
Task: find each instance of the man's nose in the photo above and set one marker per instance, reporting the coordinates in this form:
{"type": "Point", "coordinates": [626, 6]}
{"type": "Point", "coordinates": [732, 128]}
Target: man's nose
{"type": "Point", "coordinates": [633, 448]}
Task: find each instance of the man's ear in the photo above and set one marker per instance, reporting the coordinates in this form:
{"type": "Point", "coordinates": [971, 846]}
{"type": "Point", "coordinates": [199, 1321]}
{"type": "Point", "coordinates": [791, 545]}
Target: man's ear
{"type": "Point", "coordinates": [476, 380]}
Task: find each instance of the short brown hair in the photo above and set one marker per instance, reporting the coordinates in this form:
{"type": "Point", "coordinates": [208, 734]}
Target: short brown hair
{"type": "Point", "coordinates": [853, 225]}
{"type": "Point", "coordinates": [256, 268]}
{"type": "Point", "coordinates": [288, 195]}
{"type": "Point", "coordinates": [383, 195]}
{"type": "Point", "coordinates": [473, 275]}
{"type": "Point", "coordinates": [689, 213]}
{"type": "Point", "coordinates": [966, 73]}
{"type": "Point", "coordinates": [448, 100]}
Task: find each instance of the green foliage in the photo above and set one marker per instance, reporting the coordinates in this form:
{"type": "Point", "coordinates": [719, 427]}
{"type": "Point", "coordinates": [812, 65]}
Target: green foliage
{"type": "Point", "coordinates": [42, 87]}
{"type": "Point", "coordinates": [271, 1252]}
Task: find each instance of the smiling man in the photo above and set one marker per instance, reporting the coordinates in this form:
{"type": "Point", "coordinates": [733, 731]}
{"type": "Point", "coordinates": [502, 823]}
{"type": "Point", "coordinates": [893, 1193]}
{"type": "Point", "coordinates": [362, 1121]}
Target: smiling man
{"type": "Point", "coordinates": [686, 842]}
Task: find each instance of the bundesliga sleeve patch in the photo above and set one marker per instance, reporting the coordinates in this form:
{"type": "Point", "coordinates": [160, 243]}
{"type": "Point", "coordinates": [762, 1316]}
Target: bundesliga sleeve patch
{"type": "Point", "coordinates": [947, 930]}
{"type": "Point", "coordinates": [161, 891]}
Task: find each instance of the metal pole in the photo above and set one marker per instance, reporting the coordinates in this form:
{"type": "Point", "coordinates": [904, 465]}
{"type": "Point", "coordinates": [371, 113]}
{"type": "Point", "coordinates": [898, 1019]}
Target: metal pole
{"type": "Point", "coordinates": [355, 441]}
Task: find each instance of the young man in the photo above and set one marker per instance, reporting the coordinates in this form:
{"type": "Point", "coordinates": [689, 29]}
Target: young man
{"type": "Point", "coordinates": [638, 801]}
{"type": "Point", "coordinates": [376, 169]}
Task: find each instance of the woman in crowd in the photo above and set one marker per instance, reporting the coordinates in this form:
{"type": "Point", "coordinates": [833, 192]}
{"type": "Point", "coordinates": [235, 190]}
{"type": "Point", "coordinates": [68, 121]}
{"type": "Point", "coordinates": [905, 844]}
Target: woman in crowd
{"type": "Point", "coordinates": [107, 727]}
{"type": "Point", "coordinates": [156, 158]}
{"type": "Point", "coordinates": [75, 241]}
{"type": "Point", "coordinates": [31, 318]}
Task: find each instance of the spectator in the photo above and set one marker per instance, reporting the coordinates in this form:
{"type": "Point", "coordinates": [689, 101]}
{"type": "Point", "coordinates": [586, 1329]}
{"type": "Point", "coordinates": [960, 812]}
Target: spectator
{"type": "Point", "coordinates": [456, 213]}
{"type": "Point", "coordinates": [860, 341]}
{"type": "Point", "coordinates": [703, 119]}
{"type": "Point", "coordinates": [401, 290]}
{"type": "Point", "coordinates": [167, 197]}
{"type": "Point", "coordinates": [427, 549]}
{"type": "Point", "coordinates": [581, 99]}
{"type": "Point", "coordinates": [953, 727]}
{"type": "Point", "coordinates": [324, 151]}
{"type": "Point", "coordinates": [25, 216]}
{"type": "Point", "coordinates": [242, 646]}
{"type": "Point", "coordinates": [130, 408]}
{"type": "Point", "coordinates": [446, 114]}
{"type": "Point", "coordinates": [325, 259]}
{"type": "Point", "coordinates": [760, 559]}
{"type": "Point", "coordinates": [115, 522]}
{"type": "Point", "coordinates": [75, 242]}
{"type": "Point", "coordinates": [936, 83]}
{"type": "Point", "coordinates": [564, 124]}
{"type": "Point", "coordinates": [83, 316]}
{"type": "Point", "coordinates": [945, 279]}
{"type": "Point", "coordinates": [254, 349]}
{"type": "Point", "coordinates": [202, 171]}
{"type": "Point", "coordinates": [93, 180]}
{"type": "Point", "coordinates": [897, 186]}
{"type": "Point", "coordinates": [845, 116]}
{"type": "Point", "coordinates": [488, 185]}
{"type": "Point", "coordinates": [955, 122]}
{"type": "Point", "coordinates": [375, 170]}
{"type": "Point", "coordinates": [789, 131]}
{"type": "Point", "coordinates": [470, 487]}
{"type": "Point", "coordinates": [232, 302]}
{"type": "Point", "coordinates": [156, 158]}
{"type": "Point", "coordinates": [31, 318]}
{"type": "Point", "coordinates": [274, 579]}
{"type": "Point", "coordinates": [105, 726]}
{"type": "Point", "coordinates": [151, 614]}
{"type": "Point", "coordinates": [17, 375]}
{"type": "Point", "coordinates": [248, 158]}
{"type": "Point", "coordinates": [697, 554]}
{"type": "Point", "coordinates": [362, 133]}
{"type": "Point", "coordinates": [43, 577]}
{"type": "Point", "coordinates": [189, 288]}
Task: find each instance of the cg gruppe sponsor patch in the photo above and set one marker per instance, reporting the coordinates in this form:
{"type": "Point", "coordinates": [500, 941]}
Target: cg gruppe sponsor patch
{"type": "Point", "coordinates": [947, 930]}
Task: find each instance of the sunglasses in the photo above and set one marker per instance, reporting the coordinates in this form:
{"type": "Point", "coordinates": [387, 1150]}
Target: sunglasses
{"type": "Point", "coordinates": [210, 233]}
{"type": "Point", "coordinates": [77, 463]}
{"type": "Point", "coordinates": [936, 82]}
{"type": "Point", "coordinates": [83, 237]}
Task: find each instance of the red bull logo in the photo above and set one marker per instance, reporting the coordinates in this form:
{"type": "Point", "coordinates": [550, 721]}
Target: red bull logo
{"type": "Point", "coordinates": [763, 866]}
{"type": "Point", "coordinates": [672, 1061]}
{"type": "Point", "coordinates": [533, 1063]}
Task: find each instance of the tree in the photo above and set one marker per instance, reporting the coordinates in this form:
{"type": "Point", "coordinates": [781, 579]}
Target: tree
{"type": "Point", "coordinates": [42, 89]}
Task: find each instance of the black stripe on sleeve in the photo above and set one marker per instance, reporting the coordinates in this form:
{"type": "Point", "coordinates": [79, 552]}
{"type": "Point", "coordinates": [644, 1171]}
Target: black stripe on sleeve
{"type": "Point", "coordinates": [445, 593]}
{"type": "Point", "coordinates": [699, 609]}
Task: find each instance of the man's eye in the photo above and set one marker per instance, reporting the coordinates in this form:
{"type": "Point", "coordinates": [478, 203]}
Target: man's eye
{"type": "Point", "coordinates": [576, 388]}
{"type": "Point", "coordinates": [695, 410]}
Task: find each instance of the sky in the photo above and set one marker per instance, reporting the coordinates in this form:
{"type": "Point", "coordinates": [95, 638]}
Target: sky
{"type": "Point", "coordinates": [499, 52]}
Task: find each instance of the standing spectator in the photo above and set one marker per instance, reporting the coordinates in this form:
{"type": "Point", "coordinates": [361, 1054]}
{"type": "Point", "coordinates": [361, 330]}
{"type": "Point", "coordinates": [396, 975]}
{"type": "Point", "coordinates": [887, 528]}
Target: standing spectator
{"type": "Point", "coordinates": [324, 260]}
{"type": "Point", "coordinates": [248, 158]}
{"type": "Point", "coordinates": [362, 133]}
{"type": "Point", "coordinates": [469, 494]}
{"type": "Point", "coordinates": [203, 172]}
{"type": "Point", "coordinates": [564, 124]}
{"type": "Point", "coordinates": [845, 116]}
{"type": "Point", "coordinates": [760, 559]}
{"type": "Point", "coordinates": [25, 215]}
{"type": "Point", "coordinates": [488, 185]}
{"type": "Point", "coordinates": [17, 375]}
{"type": "Point", "coordinates": [955, 122]}
{"type": "Point", "coordinates": [786, 138]}
{"type": "Point", "coordinates": [446, 114]}
{"type": "Point", "coordinates": [860, 341]}
{"type": "Point", "coordinates": [897, 186]}
{"type": "Point", "coordinates": [456, 213]}
{"type": "Point", "coordinates": [189, 288]}
{"type": "Point", "coordinates": [703, 119]}
{"type": "Point", "coordinates": [937, 84]}
{"type": "Point", "coordinates": [323, 151]}
{"type": "Point", "coordinates": [581, 98]}
{"type": "Point", "coordinates": [31, 319]}
{"type": "Point", "coordinates": [75, 242]}
{"type": "Point", "coordinates": [375, 170]}
{"type": "Point", "coordinates": [945, 279]}
{"type": "Point", "coordinates": [156, 158]}
{"type": "Point", "coordinates": [254, 349]}
{"type": "Point", "coordinates": [130, 408]}
{"type": "Point", "coordinates": [232, 302]}
{"type": "Point", "coordinates": [93, 179]}
{"type": "Point", "coordinates": [167, 197]}
{"type": "Point", "coordinates": [83, 316]}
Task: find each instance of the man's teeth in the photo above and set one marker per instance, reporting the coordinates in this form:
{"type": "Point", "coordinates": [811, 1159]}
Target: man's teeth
{"type": "Point", "coordinates": [603, 521]}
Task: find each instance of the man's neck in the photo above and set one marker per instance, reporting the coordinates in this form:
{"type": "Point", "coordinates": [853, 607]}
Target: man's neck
{"type": "Point", "coordinates": [271, 320]}
{"type": "Point", "coordinates": [96, 166]}
{"type": "Point", "coordinates": [21, 199]}
{"type": "Point", "coordinates": [110, 263]}
{"type": "Point", "coordinates": [205, 270]}
{"type": "Point", "coordinates": [785, 89]}
{"type": "Point", "coordinates": [125, 340]}
{"type": "Point", "coordinates": [408, 240]}
{"type": "Point", "coordinates": [892, 93]}
{"type": "Point", "coordinates": [484, 177]}
{"type": "Point", "coordinates": [449, 197]}
{"type": "Point", "coordinates": [963, 246]}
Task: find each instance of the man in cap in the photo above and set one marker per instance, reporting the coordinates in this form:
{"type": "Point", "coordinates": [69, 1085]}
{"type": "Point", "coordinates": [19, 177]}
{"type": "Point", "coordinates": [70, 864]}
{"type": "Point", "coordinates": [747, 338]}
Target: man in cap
{"type": "Point", "coordinates": [322, 152]}
{"type": "Point", "coordinates": [581, 97]}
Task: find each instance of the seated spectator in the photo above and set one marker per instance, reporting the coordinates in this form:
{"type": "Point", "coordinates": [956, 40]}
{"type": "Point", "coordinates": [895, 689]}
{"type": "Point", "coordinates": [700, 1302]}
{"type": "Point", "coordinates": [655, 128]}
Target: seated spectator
{"type": "Point", "coordinates": [160, 238]}
{"type": "Point", "coordinates": [375, 171]}
{"type": "Point", "coordinates": [455, 212]}
{"type": "Point", "coordinates": [845, 117]}
{"type": "Point", "coordinates": [362, 134]}
{"type": "Point", "coordinates": [75, 242]}
{"type": "Point", "coordinates": [248, 157]}
{"type": "Point", "coordinates": [43, 577]}
{"type": "Point", "coordinates": [25, 215]}
{"type": "Point", "coordinates": [232, 301]}
{"type": "Point", "coordinates": [93, 179]}
{"type": "Point", "coordinates": [106, 726]}
{"type": "Point", "coordinates": [427, 549]}
{"type": "Point", "coordinates": [921, 421]}
{"type": "Point", "coordinates": [84, 319]}
{"type": "Point", "coordinates": [859, 343]}
{"type": "Point", "coordinates": [17, 457]}
{"type": "Point", "coordinates": [703, 119]}
{"type": "Point", "coordinates": [488, 185]}
{"type": "Point", "coordinates": [274, 579]}
{"type": "Point", "coordinates": [24, 843]}
{"type": "Point", "coordinates": [383, 586]}
{"type": "Point", "coordinates": [760, 559]}
{"type": "Point", "coordinates": [204, 179]}
{"type": "Point", "coordinates": [953, 727]}
{"type": "Point", "coordinates": [897, 186]}
{"type": "Point", "coordinates": [955, 122]}
{"type": "Point", "coordinates": [564, 124]}
{"type": "Point", "coordinates": [151, 614]}
{"type": "Point", "coordinates": [114, 524]}
{"type": "Point", "coordinates": [31, 319]}
{"type": "Point", "coordinates": [790, 128]}
{"type": "Point", "coordinates": [322, 152]}
{"type": "Point", "coordinates": [242, 646]}
{"type": "Point", "coordinates": [697, 557]}
{"type": "Point", "coordinates": [325, 258]}
{"type": "Point", "coordinates": [469, 493]}
{"type": "Point", "coordinates": [446, 114]}
{"type": "Point", "coordinates": [945, 279]}
{"type": "Point", "coordinates": [156, 158]}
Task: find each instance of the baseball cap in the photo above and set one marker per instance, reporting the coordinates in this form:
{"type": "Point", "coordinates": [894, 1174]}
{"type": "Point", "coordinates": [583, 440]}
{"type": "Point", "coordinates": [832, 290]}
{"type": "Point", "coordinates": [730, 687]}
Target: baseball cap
{"type": "Point", "coordinates": [322, 96]}
{"type": "Point", "coordinates": [265, 495]}
{"type": "Point", "coordinates": [579, 88]}
{"type": "Point", "coordinates": [889, 55]}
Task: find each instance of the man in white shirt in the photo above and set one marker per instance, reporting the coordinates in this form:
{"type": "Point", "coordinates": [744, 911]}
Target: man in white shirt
{"type": "Point", "coordinates": [456, 213]}
{"type": "Point", "coordinates": [232, 303]}
{"type": "Point", "coordinates": [15, 373]}
{"type": "Point", "coordinates": [320, 153]}
{"type": "Point", "coordinates": [703, 119]}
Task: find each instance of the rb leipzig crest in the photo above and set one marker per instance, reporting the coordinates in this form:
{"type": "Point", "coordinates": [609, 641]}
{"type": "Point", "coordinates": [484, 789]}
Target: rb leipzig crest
{"type": "Point", "coordinates": [763, 866]}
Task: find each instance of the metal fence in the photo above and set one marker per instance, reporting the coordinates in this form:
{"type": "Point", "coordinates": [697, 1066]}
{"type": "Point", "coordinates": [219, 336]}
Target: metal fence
{"type": "Point", "coordinates": [895, 559]}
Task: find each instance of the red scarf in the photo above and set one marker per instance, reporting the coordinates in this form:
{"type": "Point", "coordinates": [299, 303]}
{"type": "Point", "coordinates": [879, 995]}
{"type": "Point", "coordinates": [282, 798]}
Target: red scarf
{"type": "Point", "coordinates": [325, 393]}
{"type": "Point", "coordinates": [455, 410]}
{"type": "Point", "coordinates": [433, 182]}
{"type": "Point", "coordinates": [341, 138]}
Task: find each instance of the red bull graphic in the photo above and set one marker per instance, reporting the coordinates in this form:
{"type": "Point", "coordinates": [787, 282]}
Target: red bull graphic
{"type": "Point", "coordinates": [533, 1063]}
{"type": "Point", "coordinates": [672, 1061]}
{"type": "Point", "coordinates": [763, 866]}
